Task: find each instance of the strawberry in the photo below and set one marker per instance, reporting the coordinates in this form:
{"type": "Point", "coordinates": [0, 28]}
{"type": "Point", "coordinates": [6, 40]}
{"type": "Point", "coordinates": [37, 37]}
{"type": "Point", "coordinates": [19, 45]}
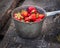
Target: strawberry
{"type": "Point", "coordinates": [31, 8]}
{"type": "Point", "coordinates": [28, 14]}
{"type": "Point", "coordinates": [24, 13]}
{"type": "Point", "coordinates": [38, 20]}
{"type": "Point", "coordinates": [27, 19]}
{"type": "Point", "coordinates": [18, 16]}
{"type": "Point", "coordinates": [32, 17]}
{"type": "Point", "coordinates": [41, 16]}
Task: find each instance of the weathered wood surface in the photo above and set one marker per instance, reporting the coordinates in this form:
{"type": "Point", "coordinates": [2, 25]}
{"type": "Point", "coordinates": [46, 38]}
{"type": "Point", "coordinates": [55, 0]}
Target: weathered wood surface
{"type": "Point", "coordinates": [6, 6]}
{"type": "Point", "coordinates": [12, 40]}
{"type": "Point", "coordinates": [51, 24]}
{"type": "Point", "coordinates": [48, 5]}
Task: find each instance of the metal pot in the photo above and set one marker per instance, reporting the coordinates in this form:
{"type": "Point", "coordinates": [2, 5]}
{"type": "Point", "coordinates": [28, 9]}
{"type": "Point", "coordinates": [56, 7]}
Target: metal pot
{"type": "Point", "coordinates": [30, 30]}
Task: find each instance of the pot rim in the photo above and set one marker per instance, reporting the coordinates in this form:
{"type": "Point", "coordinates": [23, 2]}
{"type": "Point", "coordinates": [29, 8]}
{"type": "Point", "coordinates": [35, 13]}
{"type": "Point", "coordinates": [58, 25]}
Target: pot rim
{"type": "Point", "coordinates": [27, 6]}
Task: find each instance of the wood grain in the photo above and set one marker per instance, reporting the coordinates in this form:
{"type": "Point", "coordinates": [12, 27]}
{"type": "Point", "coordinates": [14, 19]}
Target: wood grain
{"type": "Point", "coordinates": [6, 6]}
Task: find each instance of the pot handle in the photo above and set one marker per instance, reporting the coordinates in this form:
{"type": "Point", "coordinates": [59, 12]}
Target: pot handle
{"type": "Point", "coordinates": [52, 13]}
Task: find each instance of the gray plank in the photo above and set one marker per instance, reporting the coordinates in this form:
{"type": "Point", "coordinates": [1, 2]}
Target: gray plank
{"type": "Point", "coordinates": [6, 6]}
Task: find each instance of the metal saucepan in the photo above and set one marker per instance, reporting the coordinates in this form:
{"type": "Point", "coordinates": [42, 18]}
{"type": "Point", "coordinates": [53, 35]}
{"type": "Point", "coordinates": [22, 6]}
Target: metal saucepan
{"type": "Point", "coordinates": [30, 30]}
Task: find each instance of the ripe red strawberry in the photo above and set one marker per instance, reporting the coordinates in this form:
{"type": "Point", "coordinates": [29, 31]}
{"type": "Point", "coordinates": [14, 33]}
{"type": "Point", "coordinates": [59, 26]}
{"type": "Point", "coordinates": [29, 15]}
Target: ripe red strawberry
{"type": "Point", "coordinates": [28, 14]}
{"type": "Point", "coordinates": [27, 19]}
{"type": "Point", "coordinates": [24, 13]}
{"type": "Point", "coordinates": [38, 20]}
{"type": "Point", "coordinates": [31, 8]}
{"type": "Point", "coordinates": [32, 17]}
{"type": "Point", "coordinates": [41, 16]}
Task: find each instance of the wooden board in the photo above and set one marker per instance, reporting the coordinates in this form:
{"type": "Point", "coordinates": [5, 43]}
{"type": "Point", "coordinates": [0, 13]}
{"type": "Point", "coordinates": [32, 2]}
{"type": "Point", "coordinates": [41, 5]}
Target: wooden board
{"type": "Point", "coordinates": [11, 39]}
{"type": "Point", "coordinates": [6, 6]}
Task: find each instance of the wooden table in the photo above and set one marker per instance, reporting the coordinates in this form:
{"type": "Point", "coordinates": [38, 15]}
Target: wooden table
{"type": "Point", "coordinates": [12, 40]}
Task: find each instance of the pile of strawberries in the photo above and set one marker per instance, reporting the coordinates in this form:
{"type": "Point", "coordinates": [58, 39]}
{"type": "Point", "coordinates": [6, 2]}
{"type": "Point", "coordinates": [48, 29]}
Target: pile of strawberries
{"type": "Point", "coordinates": [29, 15]}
